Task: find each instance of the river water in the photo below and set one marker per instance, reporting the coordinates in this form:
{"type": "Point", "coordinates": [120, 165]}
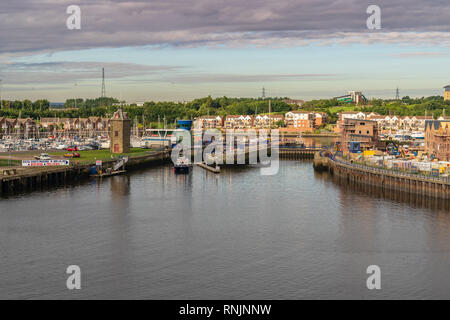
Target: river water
{"type": "Point", "coordinates": [237, 235]}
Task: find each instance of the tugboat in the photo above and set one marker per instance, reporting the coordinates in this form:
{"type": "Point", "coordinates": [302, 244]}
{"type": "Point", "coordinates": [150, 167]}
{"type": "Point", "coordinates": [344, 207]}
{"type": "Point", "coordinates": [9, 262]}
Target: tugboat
{"type": "Point", "coordinates": [182, 166]}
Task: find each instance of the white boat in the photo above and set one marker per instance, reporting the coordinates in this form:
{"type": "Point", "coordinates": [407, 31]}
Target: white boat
{"type": "Point", "coordinates": [105, 145]}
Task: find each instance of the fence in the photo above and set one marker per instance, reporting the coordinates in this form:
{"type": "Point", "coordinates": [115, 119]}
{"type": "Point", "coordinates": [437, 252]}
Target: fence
{"type": "Point", "coordinates": [389, 171]}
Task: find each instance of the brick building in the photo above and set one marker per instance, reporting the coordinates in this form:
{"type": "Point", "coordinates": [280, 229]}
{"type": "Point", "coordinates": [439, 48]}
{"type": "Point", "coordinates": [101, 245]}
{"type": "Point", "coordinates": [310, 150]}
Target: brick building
{"type": "Point", "coordinates": [320, 119]}
{"type": "Point", "coordinates": [447, 93]}
{"type": "Point", "coordinates": [437, 139]}
{"type": "Point", "coordinates": [301, 120]}
{"type": "Point", "coordinates": [363, 131]}
{"type": "Point", "coordinates": [208, 122]}
{"type": "Point", "coordinates": [120, 132]}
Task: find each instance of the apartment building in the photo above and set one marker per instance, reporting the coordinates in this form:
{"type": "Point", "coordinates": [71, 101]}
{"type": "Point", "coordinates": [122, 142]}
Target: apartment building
{"type": "Point", "coordinates": [320, 119]}
{"type": "Point", "coordinates": [208, 122]}
{"type": "Point", "coordinates": [301, 120]}
{"type": "Point", "coordinates": [265, 121]}
{"type": "Point", "coordinates": [238, 122]}
{"type": "Point", "coordinates": [365, 132]}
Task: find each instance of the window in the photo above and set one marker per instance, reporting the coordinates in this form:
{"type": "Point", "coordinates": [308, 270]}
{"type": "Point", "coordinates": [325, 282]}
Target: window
{"type": "Point", "coordinates": [116, 133]}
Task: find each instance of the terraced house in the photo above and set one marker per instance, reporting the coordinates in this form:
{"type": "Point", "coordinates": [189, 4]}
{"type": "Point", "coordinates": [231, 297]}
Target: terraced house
{"type": "Point", "coordinates": [238, 122]}
{"type": "Point", "coordinates": [208, 122]}
{"type": "Point", "coordinates": [265, 121]}
{"type": "Point", "coordinates": [20, 128]}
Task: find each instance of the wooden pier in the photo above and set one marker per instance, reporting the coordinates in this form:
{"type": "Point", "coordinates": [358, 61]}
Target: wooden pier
{"type": "Point", "coordinates": [209, 168]}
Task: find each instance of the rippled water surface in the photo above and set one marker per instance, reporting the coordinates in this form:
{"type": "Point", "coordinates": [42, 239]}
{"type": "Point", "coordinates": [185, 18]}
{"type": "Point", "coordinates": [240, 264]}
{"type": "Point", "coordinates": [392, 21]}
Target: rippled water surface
{"type": "Point", "coordinates": [237, 235]}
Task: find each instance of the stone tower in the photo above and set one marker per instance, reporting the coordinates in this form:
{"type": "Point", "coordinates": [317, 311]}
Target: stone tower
{"type": "Point", "coordinates": [120, 132]}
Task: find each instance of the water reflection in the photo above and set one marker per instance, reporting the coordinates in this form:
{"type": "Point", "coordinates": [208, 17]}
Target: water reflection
{"type": "Point", "coordinates": [358, 188]}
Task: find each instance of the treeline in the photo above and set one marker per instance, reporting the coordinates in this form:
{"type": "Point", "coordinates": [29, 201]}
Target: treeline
{"type": "Point", "coordinates": [434, 105]}
{"type": "Point", "coordinates": [150, 111]}
{"type": "Point", "coordinates": [171, 111]}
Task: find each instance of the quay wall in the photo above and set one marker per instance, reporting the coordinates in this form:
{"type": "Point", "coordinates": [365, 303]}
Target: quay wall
{"type": "Point", "coordinates": [34, 179]}
{"type": "Point", "coordinates": [297, 153]}
{"type": "Point", "coordinates": [386, 179]}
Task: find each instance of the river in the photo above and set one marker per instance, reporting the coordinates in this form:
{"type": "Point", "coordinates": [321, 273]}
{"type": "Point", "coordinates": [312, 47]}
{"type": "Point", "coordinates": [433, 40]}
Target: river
{"type": "Point", "coordinates": [237, 235]}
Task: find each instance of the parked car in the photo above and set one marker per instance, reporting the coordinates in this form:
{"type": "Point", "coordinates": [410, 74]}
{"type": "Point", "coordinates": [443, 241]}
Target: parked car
{"type": "Point", "coordinates": [61, 147]}
{"type": "Point", "coordinates": [72, 148]}
{"type": "Point", "coordinates": [85, 148]}
{"type": "Point", "coordinates": [72, 155]}
{"type": "Point", "coordinates": [43, 156]}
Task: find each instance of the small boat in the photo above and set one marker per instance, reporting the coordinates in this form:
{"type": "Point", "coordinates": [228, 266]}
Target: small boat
{"type": "Point", "coordinates": [182, 165]}
{"type": "Point", "coordinates": [107, 173]}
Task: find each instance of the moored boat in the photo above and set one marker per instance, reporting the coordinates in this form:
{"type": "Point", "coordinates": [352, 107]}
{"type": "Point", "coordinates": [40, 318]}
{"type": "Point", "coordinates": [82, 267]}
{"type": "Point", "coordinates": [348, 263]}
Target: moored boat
{"type": "Point", "coordinates": [183, 165]}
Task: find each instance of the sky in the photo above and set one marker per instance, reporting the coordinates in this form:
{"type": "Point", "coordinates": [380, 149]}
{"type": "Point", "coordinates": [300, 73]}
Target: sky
{"type": "Point", "coordinates": [179, 50]}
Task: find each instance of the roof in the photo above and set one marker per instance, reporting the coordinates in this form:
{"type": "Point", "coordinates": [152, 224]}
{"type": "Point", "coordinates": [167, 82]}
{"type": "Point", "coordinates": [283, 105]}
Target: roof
{"type": "Point", "coordinates": [434, 124]}
{"type": "Point", "coordinates": [209, 117]}
{"type": "Point", "coordinates": [447, 87]}
{"type": "Point", "coordinates": [120, 115]}
{"type": "Point", "coordinates": [299, 112]}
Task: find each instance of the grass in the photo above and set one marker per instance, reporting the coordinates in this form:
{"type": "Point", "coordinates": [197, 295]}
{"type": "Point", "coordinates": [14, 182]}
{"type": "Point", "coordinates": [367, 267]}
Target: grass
{"type": "Point", "coordinates": [6, 162]}
{"type": "Point", "coordinates": [342, 108]}
{"type": "Point", "coordinates": [92, 155]}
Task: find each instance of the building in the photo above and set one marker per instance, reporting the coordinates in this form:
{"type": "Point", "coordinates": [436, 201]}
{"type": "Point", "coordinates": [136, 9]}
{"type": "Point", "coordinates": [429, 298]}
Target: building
{"type": "Point", "coordinates": [120, 132]}
{"type": "Point", "coordinates": [437, 139]}
{"type": "Point", "coordinates": [320, 119]}
{"type": "Point", "coordinates": [301, 120]}
{"type": "Point", "coordinates": [355, 115]}
{"type": "Point", "coordinates": [209, 122]}
{"type": "Point", "coordinates": [447, 93]}
{"type": "Point", "coordinates": [388, 123]}
{"type": "Point", "coordinates": [355, 97]}
{"type": "Point", "coordinates": [21, 128]}
{"type": "Point", "coordinates": [364, 132]}
{"type": "Point", "coordinates": [298, 103]}
{"type": "Point", "coordinates": [264, 121]}
{"type": "Point", "coordinates": [238, 122]}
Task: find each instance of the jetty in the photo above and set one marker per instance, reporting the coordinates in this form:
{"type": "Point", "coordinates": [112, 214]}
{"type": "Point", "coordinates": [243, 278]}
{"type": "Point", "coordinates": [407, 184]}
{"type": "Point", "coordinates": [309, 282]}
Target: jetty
{"type": "Point", "coordinates": [209, 168]}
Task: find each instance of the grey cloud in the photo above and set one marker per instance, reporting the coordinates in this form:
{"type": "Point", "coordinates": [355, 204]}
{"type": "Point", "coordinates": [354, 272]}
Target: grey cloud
{"type": "Point", "coordinates": [31, 25]}
{"type": "Point", "coordinates": [74, 72]}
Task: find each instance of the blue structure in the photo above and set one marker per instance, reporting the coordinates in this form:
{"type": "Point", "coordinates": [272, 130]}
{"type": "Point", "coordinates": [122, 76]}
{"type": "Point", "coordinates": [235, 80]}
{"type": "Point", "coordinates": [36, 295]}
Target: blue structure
{"type": "Point", "coordinates": [185, 124]}
{"type": "Point", "coordinates": [354, 147]}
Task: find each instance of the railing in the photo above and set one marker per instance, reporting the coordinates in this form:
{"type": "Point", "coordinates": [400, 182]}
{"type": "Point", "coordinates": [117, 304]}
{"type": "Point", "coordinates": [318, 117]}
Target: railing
{"type": "Point", "coordinates": [389, 171]}
{"type": "Point", "coordinates": [300, 148]}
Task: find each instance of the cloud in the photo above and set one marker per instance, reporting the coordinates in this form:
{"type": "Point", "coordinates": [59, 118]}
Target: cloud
{"type": "Point", "coordinates": [419, 54]}
{"type": "Point", "coordinates": [29, 26]}
{"type": "Point", "coordinates": [77, 72]}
